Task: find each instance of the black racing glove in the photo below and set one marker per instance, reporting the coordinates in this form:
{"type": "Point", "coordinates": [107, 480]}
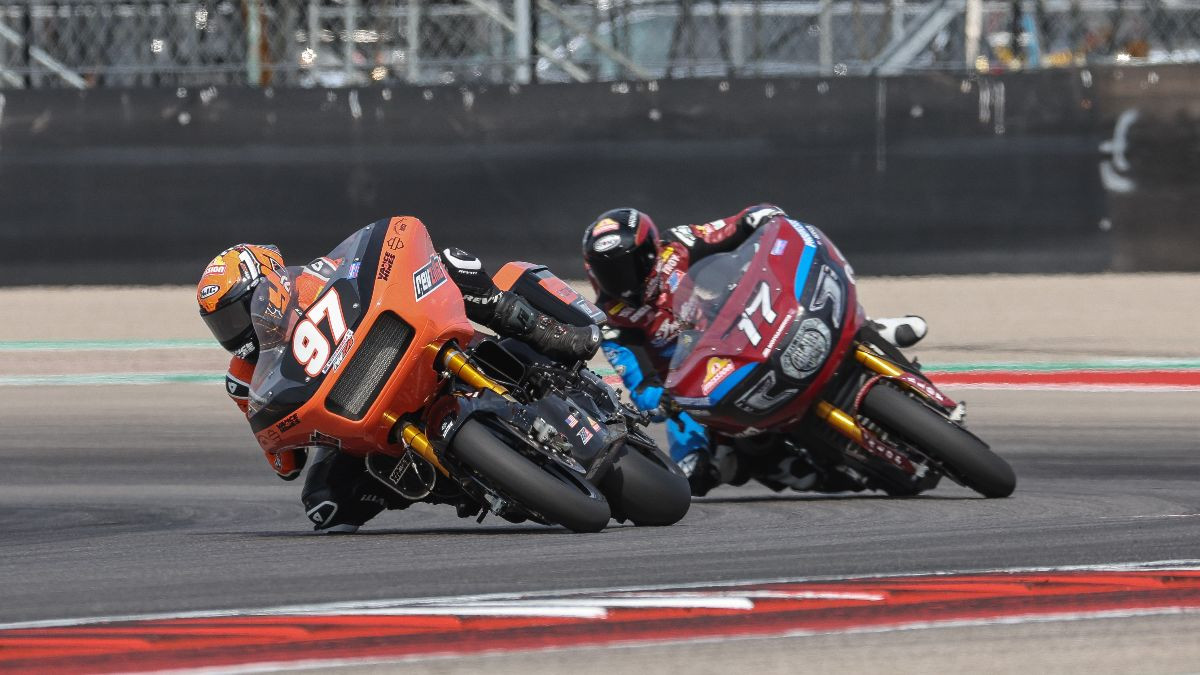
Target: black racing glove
{"type": "Point", "coordinates": [563, 342]}
{"type": "Point", "coordinates": [515, 317]}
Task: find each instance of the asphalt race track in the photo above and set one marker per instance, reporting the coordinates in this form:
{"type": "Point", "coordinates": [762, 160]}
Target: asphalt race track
{"type": "Point", "coordinates": [121, 499]}
{"type": "Point", "coordinates": [171, 508]}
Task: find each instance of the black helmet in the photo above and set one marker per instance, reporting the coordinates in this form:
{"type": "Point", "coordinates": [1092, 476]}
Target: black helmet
{"type": "Point", "coordinates": [619, 249]}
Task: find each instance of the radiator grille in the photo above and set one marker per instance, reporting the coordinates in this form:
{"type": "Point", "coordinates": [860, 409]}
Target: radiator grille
{"type": "Point", "coordinates": [361, 381]}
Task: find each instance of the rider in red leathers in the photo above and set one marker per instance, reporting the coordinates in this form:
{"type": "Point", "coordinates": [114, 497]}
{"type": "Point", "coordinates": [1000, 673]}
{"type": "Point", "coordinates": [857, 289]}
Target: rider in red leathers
{"type": "Point", "coordinates": [635, 273]}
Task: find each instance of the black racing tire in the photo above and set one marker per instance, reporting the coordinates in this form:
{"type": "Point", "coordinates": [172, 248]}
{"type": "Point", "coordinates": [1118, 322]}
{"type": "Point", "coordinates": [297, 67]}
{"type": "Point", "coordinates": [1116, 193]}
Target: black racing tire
{"type": "Point", "coordinates": [964, 457]}
{"type": "Point", "coordinates": [646, 490]}
{"type": "Point", "coordinates": [554, 497]}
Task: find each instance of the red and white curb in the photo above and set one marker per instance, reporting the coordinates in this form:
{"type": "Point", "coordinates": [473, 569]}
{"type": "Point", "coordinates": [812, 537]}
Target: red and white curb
{"type": "Point", "coordinates": [405, 630]}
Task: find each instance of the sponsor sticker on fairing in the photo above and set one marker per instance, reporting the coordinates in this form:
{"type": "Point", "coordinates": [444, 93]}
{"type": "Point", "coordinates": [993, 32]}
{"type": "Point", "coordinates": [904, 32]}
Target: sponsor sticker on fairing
{"type": "Point", "coordinates": [810, 345]}
{"type": "Point", "coordinates": [718, 369]}
{"type": "Point", "coordinates": [584, 435]}
{"type": "Point", "coordinates": [593, 424]}
{"type": "Point", "coordinates": [385, 266]}
{"type": "Point", "coordinates": [209, 291]}
{"type": "Point", "coordinates": [803, 232]}
{"type": "Point", "coordinates": [288, 422]}
{"type": "Point", "coordinates": [572, 421]}
{"type": "Point", "coordinates": [214, 269]}
{"type": "Point", "coordinates": [339, 354]}
{"type": "Point", "coordinates": [606, 243]}
{"type": "Point", "coordinates": [427, 279]}
{"type": "Point", "coordinates": [779, 247]}
{"type": "Point", "coordinates": [674, 279]}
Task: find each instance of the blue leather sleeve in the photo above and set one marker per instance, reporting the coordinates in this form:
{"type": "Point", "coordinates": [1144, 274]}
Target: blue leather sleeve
{"type": "Point", "coordinates": [626, 364]}
{"type": "Point", "coordinates": [685, 436]}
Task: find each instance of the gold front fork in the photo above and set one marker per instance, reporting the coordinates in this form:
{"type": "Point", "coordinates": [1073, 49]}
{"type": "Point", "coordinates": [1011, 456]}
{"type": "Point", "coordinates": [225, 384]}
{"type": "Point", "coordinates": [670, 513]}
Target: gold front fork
{"type": "Point", "coordinates": [840, 420]}
{"type": "Point", "coordinates": [457, 363]}
{"type": "Point", "coordinates": [419, 442]}
{"type": "Point", "coordinates": [875, 363]}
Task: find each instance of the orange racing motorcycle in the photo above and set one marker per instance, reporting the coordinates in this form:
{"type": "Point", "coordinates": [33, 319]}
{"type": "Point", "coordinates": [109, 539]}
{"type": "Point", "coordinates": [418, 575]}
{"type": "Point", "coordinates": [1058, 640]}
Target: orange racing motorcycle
{"type": "Point", "coordinates": [775, 353]}
{"type": "Point", "coordinates": [384, 364]}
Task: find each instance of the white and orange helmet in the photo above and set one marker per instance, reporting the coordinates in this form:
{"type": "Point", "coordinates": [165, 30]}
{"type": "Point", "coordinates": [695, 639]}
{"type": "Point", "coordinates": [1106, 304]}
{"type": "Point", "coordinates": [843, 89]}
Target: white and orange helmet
{"type": "Point", "coordinates": [225, 290]}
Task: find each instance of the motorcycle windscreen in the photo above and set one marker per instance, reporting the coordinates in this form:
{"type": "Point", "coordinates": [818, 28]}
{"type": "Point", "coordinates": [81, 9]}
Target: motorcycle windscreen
{"type": "Point", "coordinates": [305, 324]}
{"type": "Point", "coordinates": [705, 291]}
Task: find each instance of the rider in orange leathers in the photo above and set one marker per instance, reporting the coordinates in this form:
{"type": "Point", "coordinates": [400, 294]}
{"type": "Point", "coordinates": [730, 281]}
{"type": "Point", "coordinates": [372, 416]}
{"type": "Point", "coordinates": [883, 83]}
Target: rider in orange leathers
{"type": "Point", "coordinates": [339, 495]}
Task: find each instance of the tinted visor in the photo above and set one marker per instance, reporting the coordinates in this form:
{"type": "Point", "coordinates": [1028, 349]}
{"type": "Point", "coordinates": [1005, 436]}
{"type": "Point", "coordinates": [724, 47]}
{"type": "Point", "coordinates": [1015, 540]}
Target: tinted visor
{"type": "Point", "coordinates": [624, 276]}
{"type": "Point", "coordinates": [230, 325]}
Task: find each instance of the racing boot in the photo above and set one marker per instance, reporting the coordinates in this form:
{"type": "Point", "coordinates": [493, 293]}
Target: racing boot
{"type": "Point", "coordinates": [338, 494]}
{"type": "Point", "coordinates": [791, 472]}
{"type": "Point", "coordinates": [515, 317]}
{"type": "Point", "coordinates": [903, 332]}
{"type": "Point", "coordinates": [702, 474]}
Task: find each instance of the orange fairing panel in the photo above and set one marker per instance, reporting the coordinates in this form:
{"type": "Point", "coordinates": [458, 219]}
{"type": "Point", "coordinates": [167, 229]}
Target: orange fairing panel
{"type": "Point", "coordinates": [409, 281]}
{"type": "Point", "coordinates": [508, 275]}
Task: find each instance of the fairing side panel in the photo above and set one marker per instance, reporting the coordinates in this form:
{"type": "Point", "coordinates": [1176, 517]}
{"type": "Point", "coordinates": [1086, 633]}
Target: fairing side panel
{"type": "Point", "coordinates": [407, 278]}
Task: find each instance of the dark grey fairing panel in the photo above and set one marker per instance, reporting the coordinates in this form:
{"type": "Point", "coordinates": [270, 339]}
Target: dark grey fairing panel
{"type": "Point", "coordinates": [915, 174]}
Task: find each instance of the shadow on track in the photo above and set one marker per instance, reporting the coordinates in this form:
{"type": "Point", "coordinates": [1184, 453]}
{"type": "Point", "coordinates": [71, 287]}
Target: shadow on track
{"type": "Point", "coordinates": [817, 498]}
{"type": "Point", "coordinates": [422, 532]}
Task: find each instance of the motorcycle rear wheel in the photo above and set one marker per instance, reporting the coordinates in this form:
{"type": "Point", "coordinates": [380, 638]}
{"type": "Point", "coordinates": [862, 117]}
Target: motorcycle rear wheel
{"type": "Point", "coordinates": [646, 490]}
{"type": "Point", "coordinates": [964, 457]}
{"type": "Point", "coordinates": [557, 497]}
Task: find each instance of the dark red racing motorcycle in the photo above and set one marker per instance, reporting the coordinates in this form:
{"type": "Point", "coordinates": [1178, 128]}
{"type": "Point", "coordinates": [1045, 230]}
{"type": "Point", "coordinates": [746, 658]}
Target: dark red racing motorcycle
{"type": "Point", "coordinates": [776, 354]}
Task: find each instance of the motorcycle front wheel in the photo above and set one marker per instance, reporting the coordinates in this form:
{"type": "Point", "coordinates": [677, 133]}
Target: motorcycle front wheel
{"type": "Point", "coordinates": [549, 490]}
{"type": "Point", "coordinates": [964, 458]}
{"type": "Point", "coordinates": [645, 487]}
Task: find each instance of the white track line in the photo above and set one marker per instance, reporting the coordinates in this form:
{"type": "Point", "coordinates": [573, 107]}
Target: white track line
{"type": "Point", "coordinates": [568, 595]}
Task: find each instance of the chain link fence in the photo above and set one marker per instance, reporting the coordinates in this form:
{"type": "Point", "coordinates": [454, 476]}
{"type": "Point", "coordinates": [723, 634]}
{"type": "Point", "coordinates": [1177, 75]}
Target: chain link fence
{"type": "Point", "coordinates": [336, 43]}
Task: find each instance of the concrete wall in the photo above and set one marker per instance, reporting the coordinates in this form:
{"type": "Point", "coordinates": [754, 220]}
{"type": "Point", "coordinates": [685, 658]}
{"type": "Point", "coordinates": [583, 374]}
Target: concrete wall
{"type": "Point", "coordinates": [920, 174]}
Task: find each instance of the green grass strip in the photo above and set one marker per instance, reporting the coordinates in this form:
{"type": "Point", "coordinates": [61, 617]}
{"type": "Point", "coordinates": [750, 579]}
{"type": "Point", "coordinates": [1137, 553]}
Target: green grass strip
{"type": "Point", "coordinates": [108, 379]}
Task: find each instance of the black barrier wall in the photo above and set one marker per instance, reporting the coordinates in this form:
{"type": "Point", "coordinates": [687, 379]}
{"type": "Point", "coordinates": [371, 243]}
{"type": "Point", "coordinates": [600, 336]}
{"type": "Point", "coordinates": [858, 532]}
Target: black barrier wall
{"type": "Point", "coordinates": [911, 175]}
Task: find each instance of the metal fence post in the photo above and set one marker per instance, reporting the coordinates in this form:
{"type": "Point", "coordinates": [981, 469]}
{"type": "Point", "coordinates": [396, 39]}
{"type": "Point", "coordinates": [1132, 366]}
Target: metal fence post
{"type": "Point", "coordinates": [349, 25]}
{"type": "Point", "coordinates": [253, 42]}
{"type": "Point", "coordinates": [825, 24]}
{"type": "Point", "coordinates": [522, 17]}
{"type": "Point", "coordinates": [973, 28]}
{"type": "Point", "coordinates": [897, 19]}
{"type": "Point", "coordinates": [412, 38]}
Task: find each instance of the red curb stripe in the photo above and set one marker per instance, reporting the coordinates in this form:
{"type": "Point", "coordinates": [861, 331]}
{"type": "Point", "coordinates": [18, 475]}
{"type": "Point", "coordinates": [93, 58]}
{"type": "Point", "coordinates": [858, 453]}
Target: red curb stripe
{"type": "Point", "coordinates": [156, 644]}
{"type": "Point", "coordinates": [1070, 378]}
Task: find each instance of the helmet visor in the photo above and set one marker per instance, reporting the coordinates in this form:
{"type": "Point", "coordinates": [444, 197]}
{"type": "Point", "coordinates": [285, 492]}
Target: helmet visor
{"type": "Point", "coordinates": [229, 324]}
{"type": "Point", "coordinates": [624, 276]}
